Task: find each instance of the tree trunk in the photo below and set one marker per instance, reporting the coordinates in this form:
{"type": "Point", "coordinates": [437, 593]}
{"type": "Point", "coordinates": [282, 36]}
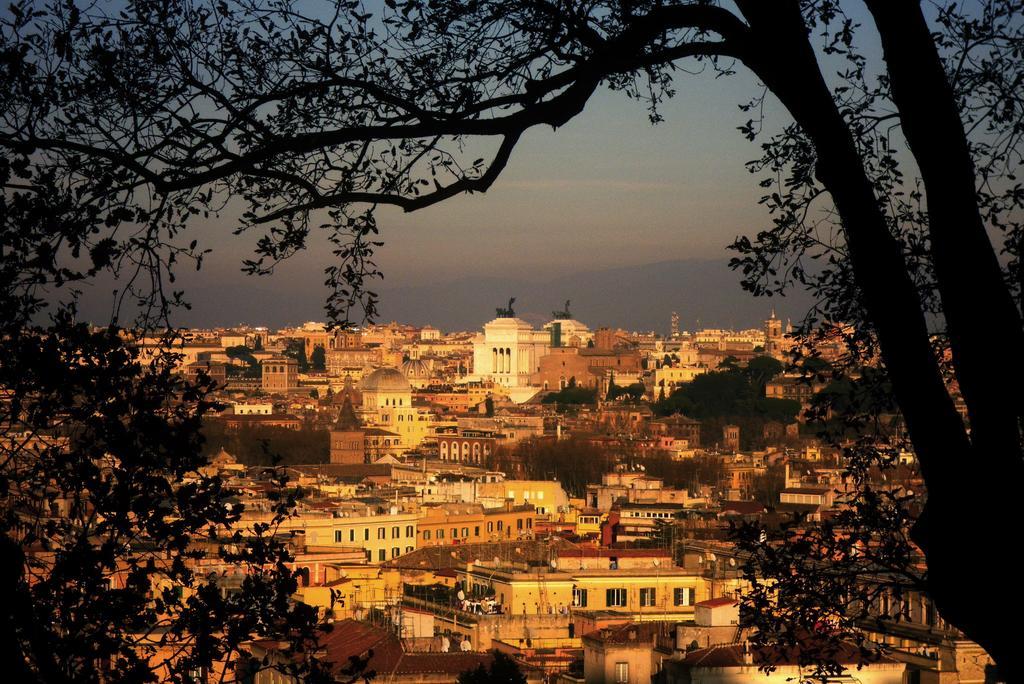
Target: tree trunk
{"type": "Point", "coordinates": [978, 309]}
{"type": "Point", "coordinates": [967, 269]}
{"type": "Point", "coordinates": [782, 56]}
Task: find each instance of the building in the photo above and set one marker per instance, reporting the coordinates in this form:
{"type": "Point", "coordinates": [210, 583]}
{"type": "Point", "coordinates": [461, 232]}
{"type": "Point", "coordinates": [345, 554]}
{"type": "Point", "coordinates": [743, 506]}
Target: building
{"type": "Point", "coordinates": [739, 664]}
{"type": "Point", "coordinates": [678, 426]}
{"type": "Point", "coordinates": [731, 437]}
{"type": "Point", "coordinates": [252, 409]}
{"type": "Point", "coordinates": [638, 521]}
{"type": "Point", "coordinates": [507, 354]}
{"type": "Point", "coordinates": [385, 653]}
{"type": "Point", "coordinates": [586, 367]}
{"type": "Point", "coordinates": [417, 372]}
{"type": "Point", "coordinates": [622, 654]}
{"type": "Point", "coordinates": [340, 362]}
{"type": "Point", "coordinates": [777, 342]}
{"type": "Point", "coordinates": [280, 374]}
{"type": "Point", "coordinates": [382, 533]}
{"type": "Point", "coordinates": [471, 523]}
{"type": "Point", "coordinates": [347, 436]}
{"type": "Point", "coordinates": [668, 379]}
{"type": "Point", "coordinates": [466, 446]}
{"type": "Point", "coordinates": [245, 421]}
{"type": "Point", "coordinates": [387, 404]}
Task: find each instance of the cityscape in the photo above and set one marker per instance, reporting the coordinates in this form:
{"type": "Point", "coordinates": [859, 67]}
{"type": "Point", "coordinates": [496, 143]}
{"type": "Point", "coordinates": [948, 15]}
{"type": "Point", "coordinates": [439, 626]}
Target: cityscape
{"type": "Point", "coordinates": [511, 341]}
{"type": "Point", "coordinates": [538, 492]}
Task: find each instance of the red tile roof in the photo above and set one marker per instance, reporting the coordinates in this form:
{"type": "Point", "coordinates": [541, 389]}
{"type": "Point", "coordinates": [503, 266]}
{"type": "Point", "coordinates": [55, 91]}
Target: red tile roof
{"type": "Point", "coordinates": [351, 638]}
{"type": "Point", "coordinates": [716, 602]}
{"type": "Point", "coordinates": [613, 553]}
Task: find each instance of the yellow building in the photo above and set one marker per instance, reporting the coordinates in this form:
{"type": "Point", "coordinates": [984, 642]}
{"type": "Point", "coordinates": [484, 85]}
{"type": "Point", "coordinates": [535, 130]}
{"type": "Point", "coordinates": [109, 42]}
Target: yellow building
{"type": "Point", "coordinates": [387, 404]}
{"type": "Point", "coordinates": [547, 496]}
{"type": "Point", "coordinates": [671, 378]}
{"type": "Point", "coordinates": [382, 534]}
{"type": "Point", "coordinates": [352, 590]}
{"type": "Point", "coordinates": [663, 591]}
{"type": "Point", "coordinates": [666, 592]}
{"type": "Point", "coordinates": [472, 523]}
{"type": "Point", "coordinates": [588, 521]}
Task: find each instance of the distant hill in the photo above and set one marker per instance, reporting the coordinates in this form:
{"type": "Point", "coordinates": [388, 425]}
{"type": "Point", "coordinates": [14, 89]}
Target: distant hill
{"type": "Point", "coordinates": [633, 297]}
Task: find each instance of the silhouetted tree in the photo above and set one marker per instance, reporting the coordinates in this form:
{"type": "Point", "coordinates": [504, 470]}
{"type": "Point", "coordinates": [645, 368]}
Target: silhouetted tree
{"type": "Point", "coordinates": [296, 349]}
{"type": "Point", "coordinates": [503, 670]}
{"type": "Point", "coordinates": [318, 359]}
{"type": "Point", "coordinates": [119, 131]}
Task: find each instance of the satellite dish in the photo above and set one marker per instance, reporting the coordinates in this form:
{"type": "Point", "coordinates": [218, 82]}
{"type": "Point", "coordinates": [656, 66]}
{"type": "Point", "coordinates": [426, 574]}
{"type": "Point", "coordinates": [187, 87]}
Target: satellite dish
{"type": "Point", "coordinates": [554, 563]}
{"type": "Point", "coordinates": [656, 562]}
{"type": "Point", "coordinates": [700, 559]}
{"type": "Point", "coordinates": [732, 562]}
{"type": "Point", "coordinates": [461, 595]}
{"type": "Point", "coordinates": [445, 645]}
{"type": "Point", "coordinates": [497, 560]}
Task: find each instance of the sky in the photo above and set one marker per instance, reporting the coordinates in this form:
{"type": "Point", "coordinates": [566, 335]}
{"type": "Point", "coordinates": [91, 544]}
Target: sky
{"type": "Point", "coordinates": [608, 190]}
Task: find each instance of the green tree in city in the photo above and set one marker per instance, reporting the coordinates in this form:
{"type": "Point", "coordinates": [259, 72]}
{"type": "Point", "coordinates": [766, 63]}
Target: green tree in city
{"type": "Point", "coordinates": [318, 359]}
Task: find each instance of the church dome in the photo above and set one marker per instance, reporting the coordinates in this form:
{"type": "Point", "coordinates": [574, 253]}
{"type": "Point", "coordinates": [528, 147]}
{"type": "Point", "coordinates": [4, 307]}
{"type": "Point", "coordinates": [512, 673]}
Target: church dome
{"type": "Point", "coordinates": [415, 369]}
{"type": "Point", "coordinates": [385, 380]}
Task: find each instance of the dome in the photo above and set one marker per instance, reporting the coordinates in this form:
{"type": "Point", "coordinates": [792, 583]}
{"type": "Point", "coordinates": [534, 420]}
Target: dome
{"type": "Point", "coordinates": [415, 368]}
{"type": "Point", "coordinates": [385, 380]}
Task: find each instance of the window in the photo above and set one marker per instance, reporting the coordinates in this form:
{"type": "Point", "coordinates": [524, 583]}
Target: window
{"type": "Point", "coordinates": [501, 525]}
{"type": "Point", "coordinates": [579, 598]}
{"type": "Point", "coordinates": [683, 596]}
{"type": "Point", "coordinates": [465, 532]}
{"type": "Point", "coordinates": [519, 523]}
{"type": "Point", "coordinates": [440, 534]}
{"type": "Point", "coordinates": [396, 532]}
{"type": "Point", "coordinates": [621, 673]}
{"type": "Point", "coordinates": [409, 532]}
{"type": "Point", "coordinates": [426, 535]}
{"type": "Point", "coordinates": [490, 526]}
{"type": "Point", "coordinates": [455, 533]}
{"type": "Point", "coordinates": [529, 523]}
{"type": "Point", "coordinates": [615, 598]}
{"type": "Point", "coordinates": [337, 536]}
{"type": "Point", "coordinates": [352, 534]}
{"type": "Point", "coordinates": [382, 555]}
{"type": "Point", "coordinates": [648, 597]}
{"type": "Point", "coordinates": [369, 556]}
{"type": "Point", "coordinates": [476, 531]}
{"type": "Point", "coordinates": [382, 533]}
{"type": "Point", "coordinates": [366, 534]}
{"type": "Point", "coordinates": [408, 549]}
{"type": "Point", "coordinates": [396, 552]}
